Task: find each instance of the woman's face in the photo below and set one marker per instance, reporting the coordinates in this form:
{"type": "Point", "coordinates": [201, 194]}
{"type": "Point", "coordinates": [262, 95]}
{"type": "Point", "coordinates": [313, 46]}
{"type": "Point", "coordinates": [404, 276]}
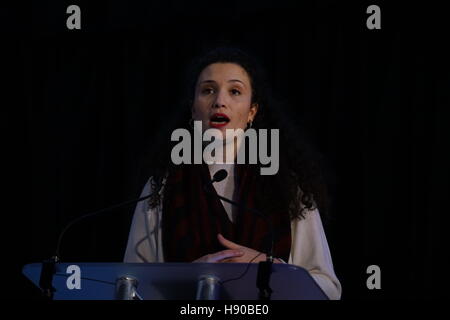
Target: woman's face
{"type": "Point", "coordinates": [223, 96]}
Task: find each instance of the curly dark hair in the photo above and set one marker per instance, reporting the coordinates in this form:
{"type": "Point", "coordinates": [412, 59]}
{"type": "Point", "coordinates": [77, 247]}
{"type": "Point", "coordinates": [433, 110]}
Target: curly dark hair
{"type": "Point", "coordinates": [298, 186]}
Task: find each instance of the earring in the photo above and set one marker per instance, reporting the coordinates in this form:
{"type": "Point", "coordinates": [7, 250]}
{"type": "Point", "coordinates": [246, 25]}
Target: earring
{"type": "Point", "coordinates": [249, 124]}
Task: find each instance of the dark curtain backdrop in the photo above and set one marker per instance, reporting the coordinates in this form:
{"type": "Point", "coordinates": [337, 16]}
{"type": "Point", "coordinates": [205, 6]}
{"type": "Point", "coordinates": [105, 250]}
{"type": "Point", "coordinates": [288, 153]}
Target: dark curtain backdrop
{"type": "Point", "coordinates": [88, 105]}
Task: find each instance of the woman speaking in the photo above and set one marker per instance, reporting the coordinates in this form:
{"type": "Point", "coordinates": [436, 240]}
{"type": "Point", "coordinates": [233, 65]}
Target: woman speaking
{"type": "Point", "coordinates": [185, 220]}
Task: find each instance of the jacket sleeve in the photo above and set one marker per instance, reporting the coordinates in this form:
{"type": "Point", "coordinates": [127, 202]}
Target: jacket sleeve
{"type": "Point", "coordinates": [144, 237]}
{"type": "Point", "coordinates": [310, 250]}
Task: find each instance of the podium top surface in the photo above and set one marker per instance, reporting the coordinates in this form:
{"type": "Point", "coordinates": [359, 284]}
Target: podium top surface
{"type": "Point", "coordinates": [177, 281]}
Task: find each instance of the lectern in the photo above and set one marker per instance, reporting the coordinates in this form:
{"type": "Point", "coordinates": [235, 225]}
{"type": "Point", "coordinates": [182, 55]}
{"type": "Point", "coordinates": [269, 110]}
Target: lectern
{"type": "Point", "coordinates": [174, 281]}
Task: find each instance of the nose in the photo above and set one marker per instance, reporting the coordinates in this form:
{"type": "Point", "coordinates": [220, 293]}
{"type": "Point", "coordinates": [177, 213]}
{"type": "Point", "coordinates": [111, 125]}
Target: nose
{"type": "Point", "coordinates": [220, 101]}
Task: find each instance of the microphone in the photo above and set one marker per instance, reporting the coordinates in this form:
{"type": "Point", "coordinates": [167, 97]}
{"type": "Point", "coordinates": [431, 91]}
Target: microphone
{"type": "Point", "coordinates": [219, 175]}
{"type": "Point", "coordinates": [91, 214]}
{"type": "Point", "coordinates": [48, 266]}
{"type": "Point", "coordinates": [264, 267]}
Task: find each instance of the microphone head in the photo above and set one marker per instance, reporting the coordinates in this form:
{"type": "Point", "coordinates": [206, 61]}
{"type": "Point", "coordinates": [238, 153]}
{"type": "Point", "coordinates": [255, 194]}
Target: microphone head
{"type": "Point", "coordinates": [220, 175]}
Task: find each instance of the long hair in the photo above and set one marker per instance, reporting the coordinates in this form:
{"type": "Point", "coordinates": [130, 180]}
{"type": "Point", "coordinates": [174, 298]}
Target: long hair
{"type": "Point", "coordinates": [298, 186]}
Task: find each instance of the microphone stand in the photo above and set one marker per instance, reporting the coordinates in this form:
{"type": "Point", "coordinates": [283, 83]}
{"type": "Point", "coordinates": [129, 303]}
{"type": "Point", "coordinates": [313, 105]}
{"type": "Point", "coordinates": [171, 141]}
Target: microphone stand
{"type": "Point", "coordinates": [49, 266]}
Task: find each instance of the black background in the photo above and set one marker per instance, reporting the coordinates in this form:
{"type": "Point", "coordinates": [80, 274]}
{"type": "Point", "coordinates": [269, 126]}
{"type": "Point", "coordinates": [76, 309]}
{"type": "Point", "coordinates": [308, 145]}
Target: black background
{"type": "Point", "coordinates": [84, 106]}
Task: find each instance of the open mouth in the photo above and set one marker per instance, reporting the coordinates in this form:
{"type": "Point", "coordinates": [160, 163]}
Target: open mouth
{"type": "Point", "coordinates": [218, 120]}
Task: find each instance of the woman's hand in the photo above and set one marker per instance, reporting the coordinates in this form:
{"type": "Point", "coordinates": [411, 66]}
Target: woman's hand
{"type": "Point", "coordinates": [234, 253]}
{"type": "Point", "coordinates": [220, 256]}
{"type": "Point", "coordinates": [248, 253]}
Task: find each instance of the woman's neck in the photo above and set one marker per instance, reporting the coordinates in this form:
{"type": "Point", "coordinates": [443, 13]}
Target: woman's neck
{"type": "Point", "coordinates": [227, 153]}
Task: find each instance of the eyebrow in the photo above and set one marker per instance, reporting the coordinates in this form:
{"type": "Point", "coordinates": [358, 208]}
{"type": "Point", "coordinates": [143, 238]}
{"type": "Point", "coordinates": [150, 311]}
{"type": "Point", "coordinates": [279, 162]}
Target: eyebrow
{"type": "Point", "coordinates": [232, 80]}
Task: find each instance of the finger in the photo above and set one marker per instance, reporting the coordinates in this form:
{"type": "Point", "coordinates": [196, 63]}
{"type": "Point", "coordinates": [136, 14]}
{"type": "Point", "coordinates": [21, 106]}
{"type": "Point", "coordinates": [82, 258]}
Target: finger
{"type": "Point", "coordinates": [227, 243]}
{"type": "Point", "coordinates": [225, 254]}
{"type": "Point", "coordinates": [228, 260]}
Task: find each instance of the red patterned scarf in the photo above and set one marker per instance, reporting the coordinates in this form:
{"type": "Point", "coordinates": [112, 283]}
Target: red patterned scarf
{"type": "Point", "coordinates": [192, 218]}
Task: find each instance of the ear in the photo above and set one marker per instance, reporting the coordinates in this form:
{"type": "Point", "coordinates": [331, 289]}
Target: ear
{"type": "Point", "coordinates": [253, 111]}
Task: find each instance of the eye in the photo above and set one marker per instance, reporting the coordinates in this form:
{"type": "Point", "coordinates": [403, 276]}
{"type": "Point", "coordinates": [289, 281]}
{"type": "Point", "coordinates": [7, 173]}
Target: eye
{"type": "Point", "coordinates": [207, 91]}
{"type": "Point", "coordinates": [235, 92]}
